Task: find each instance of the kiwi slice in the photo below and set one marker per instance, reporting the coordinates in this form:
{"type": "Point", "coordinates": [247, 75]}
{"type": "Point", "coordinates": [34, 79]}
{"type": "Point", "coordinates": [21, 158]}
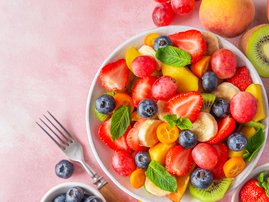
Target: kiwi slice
{"type": "Point", "coordinates": [208, 100]}
{"type": "Point", "coordinates": [216, 191]}
{"type": "Point", "coordinates": [256, 125]}
{"type": "Point", "coordinates": [258, 50]}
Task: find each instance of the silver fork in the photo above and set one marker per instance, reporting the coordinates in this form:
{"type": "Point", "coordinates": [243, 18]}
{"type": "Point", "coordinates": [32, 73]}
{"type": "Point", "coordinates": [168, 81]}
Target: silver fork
{"type": "Point", "coordinates": [73, 150]}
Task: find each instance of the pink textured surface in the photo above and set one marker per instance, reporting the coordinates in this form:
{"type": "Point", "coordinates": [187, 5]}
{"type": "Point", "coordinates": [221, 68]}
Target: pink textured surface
{"type": "Point", "coordinates": [50, 51]}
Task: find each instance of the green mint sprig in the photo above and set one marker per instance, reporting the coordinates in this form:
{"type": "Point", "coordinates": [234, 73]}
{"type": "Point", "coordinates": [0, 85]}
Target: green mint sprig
{"type": "Point", "coordinates": [173, 56]}
{"type": "Point", "coordinates": [181, 123]}
{"type": "Point", "coordinates": [120, 121]}
{"type": "Point", "coordinates": [160, 177]}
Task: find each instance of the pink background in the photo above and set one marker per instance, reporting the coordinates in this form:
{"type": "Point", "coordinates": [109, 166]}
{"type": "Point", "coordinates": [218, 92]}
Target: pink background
{"type": "Point", "coordinates": [49, 53]}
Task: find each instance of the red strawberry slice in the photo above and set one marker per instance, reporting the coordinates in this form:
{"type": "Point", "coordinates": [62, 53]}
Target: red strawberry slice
{"type": "Point", "coordinates": [191, 41]}
{"type": "Point", "coordinates": [118, 144]}
{"type": "Point", "coordinates": [178, 160]}
{"type": "Point", "coordinates": [142, 89]}
{"type": "Point", "coordinates": [226, 126]}
{"type": "Point", "coordinates": [222, 152]}
{"type": "Point", "coordinates": [132, 137]}
{"type": "Point", "coordinates": [241, 79]}
{"type": "Point", "coordinates": [114, 76]}
{"type": "Point", "coordinates": [186, 105]}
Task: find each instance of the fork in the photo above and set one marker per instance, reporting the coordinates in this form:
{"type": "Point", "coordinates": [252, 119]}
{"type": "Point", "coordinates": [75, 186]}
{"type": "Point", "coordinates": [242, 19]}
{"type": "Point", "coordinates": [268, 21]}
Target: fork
{"type": "Point", "coordinates": [73, 150]}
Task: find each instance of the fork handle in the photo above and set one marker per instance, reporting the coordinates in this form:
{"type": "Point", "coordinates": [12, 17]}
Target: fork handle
{"type": "Point", "coordinates": [105, 188]}
{"type": "Point", "coordinates": [109, 194]}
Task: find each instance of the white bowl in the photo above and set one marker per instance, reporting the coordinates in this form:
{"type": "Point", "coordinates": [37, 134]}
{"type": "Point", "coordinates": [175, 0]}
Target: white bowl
{"type": "Point", "coordinates": [103, 154]}
{"type": "Point", "coordinates": [263, 168]}
{"type": "Point", "coordinates": [62, 188]}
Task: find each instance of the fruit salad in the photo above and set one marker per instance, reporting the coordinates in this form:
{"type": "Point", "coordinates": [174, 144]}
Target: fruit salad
{"type": "Point", "coordinates": [180, 114]}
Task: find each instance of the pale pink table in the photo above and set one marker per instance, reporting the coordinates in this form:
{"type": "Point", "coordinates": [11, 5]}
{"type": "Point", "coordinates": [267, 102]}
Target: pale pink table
{"type": "Point", "coordinates": [49, 53]}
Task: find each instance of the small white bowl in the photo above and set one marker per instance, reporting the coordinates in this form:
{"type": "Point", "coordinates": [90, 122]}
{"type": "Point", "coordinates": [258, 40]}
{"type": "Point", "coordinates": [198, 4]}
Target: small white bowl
{"type": "Point", "coordinates": [263, 168]}
{"type": "Point", "coordinates": [103, 154]}
{"type": "Point", "coordinates": [62, 188]}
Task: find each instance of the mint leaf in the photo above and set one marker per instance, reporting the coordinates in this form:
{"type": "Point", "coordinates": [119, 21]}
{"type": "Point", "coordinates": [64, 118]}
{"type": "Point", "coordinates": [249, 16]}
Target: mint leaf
{"type": "Point", "coordinates": [254, 145]}
{"type": "Point", "coordinates": [160, 177]}
{"type": "Point", "coordinates": [185, 124]}
{"type": "Point", "coordinates": [181, 123]}
{"type": "Point", "coordinates": [171, 119]}
{"type": "Point", "coordinates": [173, 56]}
{"type": "Point", "coordinates": [119, 122]}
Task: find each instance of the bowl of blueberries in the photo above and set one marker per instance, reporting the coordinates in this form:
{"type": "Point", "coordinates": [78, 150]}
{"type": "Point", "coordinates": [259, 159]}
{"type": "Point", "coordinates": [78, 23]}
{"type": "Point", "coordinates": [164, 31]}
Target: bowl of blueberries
{"type": "Point", "coordinates": [73, 192]}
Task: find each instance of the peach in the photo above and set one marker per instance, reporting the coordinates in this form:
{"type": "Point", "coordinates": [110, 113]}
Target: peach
{"type": "Point", "coordinates": [227, 18]}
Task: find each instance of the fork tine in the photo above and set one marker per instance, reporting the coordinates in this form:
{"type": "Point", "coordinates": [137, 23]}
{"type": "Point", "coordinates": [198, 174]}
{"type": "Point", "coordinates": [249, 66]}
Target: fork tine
{"type": "Point", "coordinates": [54, 132]}
{"type": "Point", "coordinates": [69, 134]}
{"type": "Point", "coordinates": [61, 147]}
{"type": "Point", "coordinates": [65, 137]}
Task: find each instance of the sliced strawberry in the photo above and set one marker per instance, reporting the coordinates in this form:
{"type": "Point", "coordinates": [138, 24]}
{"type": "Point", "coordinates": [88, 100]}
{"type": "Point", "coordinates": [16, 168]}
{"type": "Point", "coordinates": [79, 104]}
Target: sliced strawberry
{"type": "Point", "coordinates": [178, 160]}
{"type": "Point", "coordinates": [241, 79]}
{"type": "Point", "coordinates": [222, 152]}
{"type": "Point", "coordinates": [132, 137]}
{"type": "Point", "coordinates": [114, 76]}
{"type": "Point", "coordinates": [186, 105]}
{"type": "Point", "coordinates": [142, 89]}
{"type": "Point", "coordinates": [226, 126]}
{"type": "Point", "coordinates": [118, 144]}
{"type": "Point", "coordinates": [191, 41]}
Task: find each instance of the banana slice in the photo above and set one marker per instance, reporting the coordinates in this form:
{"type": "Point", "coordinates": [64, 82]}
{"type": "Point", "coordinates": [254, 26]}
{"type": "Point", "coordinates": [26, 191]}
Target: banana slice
{"type": "Point", "coordinates": [161, 110]}
{"type": "Point", "coordinates": [212, 43]}
{"type": "Point", "coordinates": [153, 189]}
{"type": "Point", "coordinates": [147, 133]}
{"type": "Point", "coordinates": [147, 50]}
{"type": "Point", "coordinates": [205, 127]}
{"type": "Point", "coordinates": [226, 90]}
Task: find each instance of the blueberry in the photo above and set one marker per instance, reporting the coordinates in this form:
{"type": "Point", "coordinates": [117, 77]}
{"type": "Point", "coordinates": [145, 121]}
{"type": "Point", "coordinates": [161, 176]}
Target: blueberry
{"type": "Point", "coordinates": [91, 199]}
{"type": "Point", "coordinates": [187, 139]}
{"type": "Point", "coordinates": [105, 104]}
{"type": "Point", "coordinates": [201, 178]}
{"type": "Point", "coordinates": [209, 81]}
{"type": "Point", "coordinates": [60, 198]}
{"type": "Point", "coordinates": [74, 194]}
{"type": "Point", "coordinates": [147, 108]}
{"type": "Point", "coordinates": [161, 42]}
{"type": "Point", "coordinates": [220, 108]}
{"type": "Point", "coordinates": [64, 169]}
{"type": "Point", "coordinates": [237, 141]}
{"type": "Point", "coordinates": [142, 159]}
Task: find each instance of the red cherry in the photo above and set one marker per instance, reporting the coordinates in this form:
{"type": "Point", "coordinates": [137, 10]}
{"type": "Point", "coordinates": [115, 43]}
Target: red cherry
{"type": "Point", "coordinates": [182, 6]}
{"type": "Point", "coordinates": [163, 14]}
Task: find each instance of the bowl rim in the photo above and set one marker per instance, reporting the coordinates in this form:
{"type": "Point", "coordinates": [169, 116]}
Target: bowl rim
{"type": "Point", "coordinates": [71, 184]}
{"type": "Point", "coordinates": [160, 29]}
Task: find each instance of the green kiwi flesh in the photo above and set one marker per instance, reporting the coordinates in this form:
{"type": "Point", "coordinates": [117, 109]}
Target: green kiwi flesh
{"type": "Point", "coordinates": [257, 50]}
{"type": "Point", "coordinates": [216, 191]}
{"type": "Point", "coordinates": [208, 100]}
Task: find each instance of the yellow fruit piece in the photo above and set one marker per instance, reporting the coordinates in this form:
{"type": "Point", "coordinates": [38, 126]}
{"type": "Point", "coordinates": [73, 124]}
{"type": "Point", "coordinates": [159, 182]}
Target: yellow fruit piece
{"type": "Point", "coordinates": [182, 184]}
{"type": "Point", "coordinates": [166, 134]}
{"type": "Point", "coordinates": [256, 91]}
{"type": "Point", "coordinates": [234, 166]}
{"type": "Point", "coordinates": [185, 79]}
{"type": "Point", "coordinates": [159, 151]}
{"type": "Point", "coordinates": [150, 38]}
{"type": "Point", "coordinates": [153, 189]}
{"type": "Point", "coordinates": [236, 153]}
{"type": "Point", "coordinates": [130, 55]}
{"type": "Point", "coordinates": [137, 178]}
{"type": "Point", "coordinates": [248, 131]}
{"type": "Point", "coordinates": [200, 67]}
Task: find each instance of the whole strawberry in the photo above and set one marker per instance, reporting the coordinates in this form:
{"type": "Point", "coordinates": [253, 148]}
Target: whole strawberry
{"type": "Point", "coordinates": [255, 190]}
